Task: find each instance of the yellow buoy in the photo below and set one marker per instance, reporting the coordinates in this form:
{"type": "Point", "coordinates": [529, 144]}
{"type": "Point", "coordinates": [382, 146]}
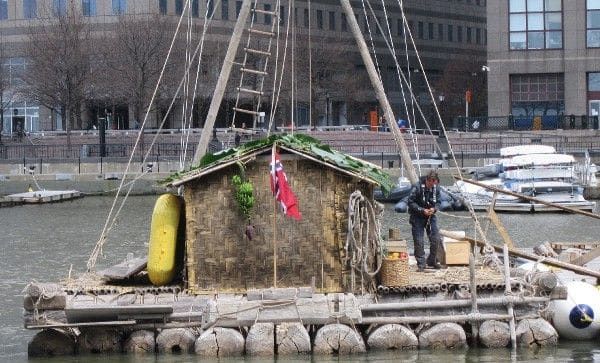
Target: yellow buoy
{"type": "Point", "coordinates": [162, 254]}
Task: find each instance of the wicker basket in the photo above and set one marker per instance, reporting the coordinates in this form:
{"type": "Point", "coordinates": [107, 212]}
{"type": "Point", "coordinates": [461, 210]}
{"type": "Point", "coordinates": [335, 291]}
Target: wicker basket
{"type": "Point", "coordinates": [394, 271]}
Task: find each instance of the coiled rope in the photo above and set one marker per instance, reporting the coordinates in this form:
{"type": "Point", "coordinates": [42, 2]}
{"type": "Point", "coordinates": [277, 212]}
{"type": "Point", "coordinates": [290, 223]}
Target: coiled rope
{"type": "Point", "coordinates": [363, 239]}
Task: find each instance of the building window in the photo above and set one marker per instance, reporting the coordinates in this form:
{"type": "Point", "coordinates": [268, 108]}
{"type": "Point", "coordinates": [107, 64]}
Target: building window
{"type": "Point", "coordinates": [88, 7]}
{"type": "Point", "coordinates": [478, 35]}
{"type": "Point", "coordinates": [225, 9]}
{"type": "Point", "coordinates": [344, 23]}
{"type": "Point", "coordinates": [450, 33]}
{"type": "Point", "coordinates": [420, 30]}
{"type": "Point", "coordinates": [400, 30]}
{"type": "Point", "coordinates": [119, 7]}
{"type": "Point", "coordinates": [268, 18]}
{"type": "Point", "coordinates": [210, 7]}
{"type": "Point", "coordinates": [178, 7]}
{"type": "Point", "coordinates": [593, 23]}
{"type": "Point", "coordinates": [162, 7]}
{"type": "Point", "coordinates": [282, 15]}
{"type": "Point", "coordinates": [30, 9]}
{"type": "Point", "coordinates": [469, 36]}
{"type": "Point", "coordinates": [331, 20]}
{"type": "Point", "coordinates": [306, 18]}
{"type": "Point", "coordinates": [535, 24]}
{"type": "Point", "coordinates": [3, 9]}
{"type": "Point", "coordinates": [59, 7]}
{"type": "Point", "coordinates": [594, 82]}
{"type": "Point", "coordinates": [430, 30]}
{"type": "Point", "coordinates": [378, 25]}
{"type": "Point", "coordinates": [537, 94]}
{"type": "Point", "coordinates": [195, 8]}
{"type": "Point", "coordinates": [459, 34]}
{"type": "Point", "coordinates": [441, 32]}
{"type": "Point", "coordinates": [238, 6]}
{"type": "Point", "coordinates": [320, 19]}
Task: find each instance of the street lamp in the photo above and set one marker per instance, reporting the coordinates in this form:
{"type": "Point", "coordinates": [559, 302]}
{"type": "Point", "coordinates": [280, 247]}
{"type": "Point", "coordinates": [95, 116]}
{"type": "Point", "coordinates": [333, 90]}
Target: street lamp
{"type": "Point", "coordinates": [441, 99]}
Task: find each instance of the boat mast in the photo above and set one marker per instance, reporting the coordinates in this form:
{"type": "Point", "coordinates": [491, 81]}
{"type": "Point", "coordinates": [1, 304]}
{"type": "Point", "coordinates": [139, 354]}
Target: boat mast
{"type": "Point", "coordinates": [380, 92]}
{"type": "Point", "coordinates": [215, 102]}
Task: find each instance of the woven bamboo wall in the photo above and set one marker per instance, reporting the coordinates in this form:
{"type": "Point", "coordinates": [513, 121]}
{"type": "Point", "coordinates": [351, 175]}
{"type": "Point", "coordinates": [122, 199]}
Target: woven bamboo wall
{"type": "Point", "coordinates": [220, 258]}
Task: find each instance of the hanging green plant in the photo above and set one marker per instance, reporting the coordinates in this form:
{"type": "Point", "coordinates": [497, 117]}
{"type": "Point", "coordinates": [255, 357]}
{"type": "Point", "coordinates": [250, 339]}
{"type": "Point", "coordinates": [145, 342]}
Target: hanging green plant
{"type": "Point", "coordinates": [244, 194]}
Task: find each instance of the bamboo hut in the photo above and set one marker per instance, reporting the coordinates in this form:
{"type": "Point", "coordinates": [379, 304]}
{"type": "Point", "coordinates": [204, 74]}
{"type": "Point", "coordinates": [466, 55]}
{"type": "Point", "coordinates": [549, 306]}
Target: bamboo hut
{"type": "Point", "coordinates": [282, 252]}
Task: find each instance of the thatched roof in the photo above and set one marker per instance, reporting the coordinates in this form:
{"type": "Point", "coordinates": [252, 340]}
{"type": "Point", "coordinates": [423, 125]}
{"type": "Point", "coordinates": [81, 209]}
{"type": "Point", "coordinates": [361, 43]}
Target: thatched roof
{"type": "Point", "coordinates": [300, 144]}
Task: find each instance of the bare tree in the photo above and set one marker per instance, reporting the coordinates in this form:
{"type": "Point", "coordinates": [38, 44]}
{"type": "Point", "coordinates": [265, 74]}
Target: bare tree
{"type": "Point", "coordinates": [6, 91]}
{"type": "Point", "coordinates": [136, 56]}
{"type": "Point", "coordinates": [59, 68]}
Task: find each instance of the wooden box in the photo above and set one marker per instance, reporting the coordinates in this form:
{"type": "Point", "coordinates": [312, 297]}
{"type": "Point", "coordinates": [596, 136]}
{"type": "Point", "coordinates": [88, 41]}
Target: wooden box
{"type": "Point", "coordinates": [456, 252]}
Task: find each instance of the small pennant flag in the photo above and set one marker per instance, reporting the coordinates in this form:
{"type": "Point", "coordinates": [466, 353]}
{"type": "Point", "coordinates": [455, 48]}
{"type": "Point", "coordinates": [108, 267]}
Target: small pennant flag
{"type": "Point", "coordinates": [281, 189]}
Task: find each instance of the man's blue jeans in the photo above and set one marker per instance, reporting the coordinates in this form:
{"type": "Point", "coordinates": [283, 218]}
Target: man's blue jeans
{"type": "Point", "coordinates": [420, 225]}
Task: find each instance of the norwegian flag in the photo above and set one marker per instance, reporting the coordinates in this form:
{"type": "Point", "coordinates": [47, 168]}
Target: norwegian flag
{"type": "Point", "coordinates": [281, 189]}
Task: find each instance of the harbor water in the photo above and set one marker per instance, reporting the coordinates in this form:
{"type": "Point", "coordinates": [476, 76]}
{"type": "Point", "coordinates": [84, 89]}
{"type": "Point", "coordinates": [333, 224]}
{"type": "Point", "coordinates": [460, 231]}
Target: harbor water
{"type": "Point", "coordinates": [46, 242]}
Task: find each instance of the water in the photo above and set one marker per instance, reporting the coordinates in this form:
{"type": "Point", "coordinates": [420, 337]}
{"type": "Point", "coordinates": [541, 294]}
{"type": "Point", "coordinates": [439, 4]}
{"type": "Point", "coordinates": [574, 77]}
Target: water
{"type": "Point", "coordinates": [44, 242]}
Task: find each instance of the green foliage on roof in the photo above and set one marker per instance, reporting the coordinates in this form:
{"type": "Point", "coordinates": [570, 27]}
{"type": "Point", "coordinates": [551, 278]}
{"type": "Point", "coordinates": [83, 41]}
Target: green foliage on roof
{"type": "Point", "coordinates": [302, 143]}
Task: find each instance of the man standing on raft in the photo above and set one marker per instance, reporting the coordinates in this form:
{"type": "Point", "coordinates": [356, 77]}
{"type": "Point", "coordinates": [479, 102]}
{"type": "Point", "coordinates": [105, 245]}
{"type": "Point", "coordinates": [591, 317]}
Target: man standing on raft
{"type": "Point", "coordinates": [423, 202]}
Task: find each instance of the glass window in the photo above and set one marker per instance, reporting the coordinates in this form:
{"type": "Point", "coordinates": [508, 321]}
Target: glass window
{"type": "Point", "coordinates": [594, 81]}
{"type": "Point", "coordinates": [88, 7]}
{"type": "Point", "coordinates": [344, 23]}
{"type": "Point", "coordinates": [459, 34]}
{"type": "Point", "coordinates": [420, 30]}
{"type": "Point", "coordinates": [162, 7]}
{"type": "Point", "coordinates": [59, 7]}
{"type": "Point", "coordinates": [593, 23]}
{"type": "Point", "coordinates": [225, 9]}
{"type": "Point", "coordinates": [268, 18]}
{"type": "Point", "coordinates": [469, 39]}
{"type": "Point", "coordinates": [440, 31]}
{"type": "Point", "coordinates": [320, 19]}
{"type": "Point", "coordinates": [30, 9]}
{"type": "Point", "coordinates": [331, 20]}
{"type": "Point", "coordinates": [450, 33]}
{"type": "Point", "coordinates": [3, 9]}
{"type": "Point", "coordinates": [306, 18]}
{"type": "Point", "coordinates": [178, 7]}
{"type": "Point", "coordinates": [517, 6]}
{"type": "Point", "coordinates": [119, 7]}
{"type": "Point", "coordinates": [537, 94]}
{"type": "Point", "coordinates": [430, 31]}
{"type": "Point", "coordinates": [282, 15]}
{"type": "Point", "coordinates": [210, 8]}
{"type": "Point", "coordinates": [238, 6]}
{"type": "Point", "coordinates": [593, 4]}
{"type": "Point", "coordinates": [535, 24]}
{"type": "Point", "coordinates": [195, 8]}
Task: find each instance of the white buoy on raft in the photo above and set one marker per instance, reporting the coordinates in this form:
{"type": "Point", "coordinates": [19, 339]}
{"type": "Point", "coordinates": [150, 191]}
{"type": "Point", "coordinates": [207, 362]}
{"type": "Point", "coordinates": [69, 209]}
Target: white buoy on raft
{"type": "Point", "coordinates": [577, 316]}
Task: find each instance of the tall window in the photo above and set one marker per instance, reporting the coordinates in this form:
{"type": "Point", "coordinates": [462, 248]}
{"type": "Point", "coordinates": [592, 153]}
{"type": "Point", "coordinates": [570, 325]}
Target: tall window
{"type": "Point", "coordinates": [320, 19]}
{"type": "Point", "coordinates": [440, 31]}
{"type": "Point", "coordinates": [420, 30]}
{"type": "Point", "coordinates": [459, 34]}
{"type": "Point", "coordinates": [344, 23]}
{"type": "Point", "coordinates": [450, 33]}
{"type": "Point", "coordinates": [268, 18]}
{"type": "Point", "coordinates": [535, 24]}
{"type": "Point", "coordinates": [210, 7]}
{"type": "Point", "coordinates": [195, 8]}
{"type": "Point", "coordinates": [331, 20]}
{"type": "Point", "coordinates": [119, 7]}
{"type": "Point", "coordinates": [178, 7]}
{"type": "Point", "coordinates": [162, 6]}
{"type": "Point", "coordinates": [282, 15]}
{"type": "Point", "coordinates": [305, 18]}
{"type": "Point", "coordinates": [3, 9]}
{"type": "Point", "coordinates": [88, 7]}
{"type": "Point", "coordinates": [59, 7]}
{"type": "Point", "coordinates": [30, 9]}
{"type": "Point", "coordinates": [225, 9]}
{"type": "Point", "coordinates": [238, 7]}
{"type": "Point", "coordinates": [430, 31]}
{"type": "Point", "coordinates": [469, 36]}
{"type": "Point", "coordinates": [593, 23]}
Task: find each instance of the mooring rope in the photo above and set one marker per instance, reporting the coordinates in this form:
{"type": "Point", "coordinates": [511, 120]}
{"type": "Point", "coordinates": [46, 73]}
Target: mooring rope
{"type": "Point", "coordinates": [363, 237]}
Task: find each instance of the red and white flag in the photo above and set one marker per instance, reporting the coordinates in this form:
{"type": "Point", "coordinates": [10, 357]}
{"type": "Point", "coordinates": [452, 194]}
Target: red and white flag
{"type": "Point", "coordinates": [281, 189]}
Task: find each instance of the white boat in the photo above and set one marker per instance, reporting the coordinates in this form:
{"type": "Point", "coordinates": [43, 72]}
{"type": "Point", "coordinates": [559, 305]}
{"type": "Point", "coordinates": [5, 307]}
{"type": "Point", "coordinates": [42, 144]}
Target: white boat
{"type": "Point", "coordinates": [535, 171]}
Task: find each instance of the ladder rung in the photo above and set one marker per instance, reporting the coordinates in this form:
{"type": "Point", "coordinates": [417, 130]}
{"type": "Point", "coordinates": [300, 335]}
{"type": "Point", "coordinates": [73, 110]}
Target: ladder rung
{"type": "Point", "coordinates": [261, 32]}
{"type": "Point", "coordinates": [246, 111]}
{"type": "Point", "coordinates": [254, 71]}
{"type": "Point", "coordinates": [254, 92]}
{"type": "Point", "coordinates": [256, 51]}
{"type": "Point", "coordinates": [267, 12]}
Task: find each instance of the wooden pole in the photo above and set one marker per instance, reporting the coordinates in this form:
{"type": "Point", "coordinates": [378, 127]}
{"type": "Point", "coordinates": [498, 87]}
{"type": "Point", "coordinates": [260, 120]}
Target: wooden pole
{"type": "Point", "coordinates": [451, 304]}
{"type": "Point", "coordinates": [380, 92]}
{"type": "Point", "coordinates": [511, 312]}
{"type": "Point", "coordinates": [273, 151]}
{"type": "Point", "coordinates": [215, 102]}
{"type": "Point", "coordinates": [473, 288]}
{"type": "Point", "coordinates": [529, 256]}
{"type": "Point", "coordinates": [528, 198]}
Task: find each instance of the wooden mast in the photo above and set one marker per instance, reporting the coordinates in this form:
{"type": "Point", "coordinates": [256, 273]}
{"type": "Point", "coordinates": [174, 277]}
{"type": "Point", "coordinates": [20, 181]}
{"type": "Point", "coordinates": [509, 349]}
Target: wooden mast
{"type": "Point", "coordinates": [215, 102]}
{"type": "Point", "coordinates": [380, 92]}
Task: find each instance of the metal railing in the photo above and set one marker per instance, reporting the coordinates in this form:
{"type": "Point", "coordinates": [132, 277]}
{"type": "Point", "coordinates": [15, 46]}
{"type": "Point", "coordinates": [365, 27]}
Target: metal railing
{"type": "Point", "coordinates": [526, 123]}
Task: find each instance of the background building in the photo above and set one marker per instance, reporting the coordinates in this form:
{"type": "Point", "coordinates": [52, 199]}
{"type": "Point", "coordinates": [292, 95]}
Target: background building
{"type": "Point", "coordinates": [544, 59]}
{"type": "Point", "coordinates": [111, 88]}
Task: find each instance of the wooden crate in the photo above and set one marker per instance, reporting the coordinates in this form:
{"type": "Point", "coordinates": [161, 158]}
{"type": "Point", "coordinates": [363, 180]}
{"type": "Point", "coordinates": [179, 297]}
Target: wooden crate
{"type": "Point", "coordinates": [456, 252]}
